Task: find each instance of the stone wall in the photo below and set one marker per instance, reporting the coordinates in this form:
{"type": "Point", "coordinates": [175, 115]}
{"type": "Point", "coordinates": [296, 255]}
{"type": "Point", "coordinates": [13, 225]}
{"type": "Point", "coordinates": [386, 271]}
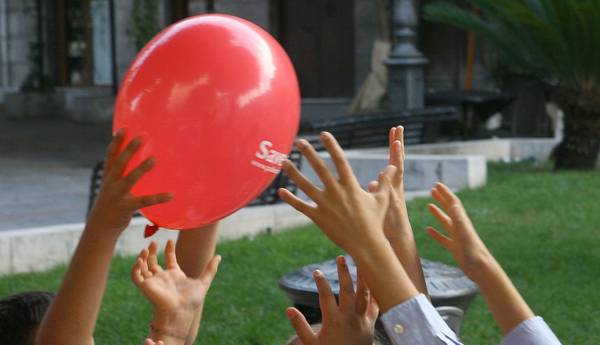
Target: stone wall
{"type": "Point", "coordinates": [18, 26]}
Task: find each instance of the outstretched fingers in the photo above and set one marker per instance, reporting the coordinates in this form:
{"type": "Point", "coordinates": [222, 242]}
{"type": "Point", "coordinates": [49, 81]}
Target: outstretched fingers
{"type": "Point", "coordinates": [384, 184]}
{"type": "Point", "coordinates": [136, 272]}
{"type": "Point", "coordinates": [153, 264]}
{"type": "Point", "coordinates": [446, 196]}
{"type": "Point", "coordinates": [363, 295]}
{"type": "Point", "coordinates": [120, 162]}
{"type": "Point", "coordinates": [338, 157]}
{"type": "Point", "coordinates": [151, 200]}
{"type": "Point", "coordinates": [170, 256]}
{"type": "Point", "coordinates": [301, 326]}
{"type": "Point", "coordinates": [443, 240]}
{"type": "Point", "coordinates": [143, 259]}
{"type": "Point", "coordinates": [441, 217]}
{"type": "Point", "coordinates": [138, 172]}
{"type": "Point", "coordinates": [300, 180]}
{"type": "Point", "coordinates": [326, 296]}
{"type": "Point", "coordinates": [347, 297]}
{"type": "Point", "coordinates": [297, 203]}
{"type": "Point", "coordinates": [453, 207]}
{"type": "Point", "coordinates": [113, 148]}
{"type": "Point", "coordinates": [316, 162]}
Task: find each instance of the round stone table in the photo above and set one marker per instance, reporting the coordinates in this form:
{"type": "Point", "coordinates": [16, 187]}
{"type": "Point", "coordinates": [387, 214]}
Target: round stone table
{"type": "Point", "coordinates": [447, 286]}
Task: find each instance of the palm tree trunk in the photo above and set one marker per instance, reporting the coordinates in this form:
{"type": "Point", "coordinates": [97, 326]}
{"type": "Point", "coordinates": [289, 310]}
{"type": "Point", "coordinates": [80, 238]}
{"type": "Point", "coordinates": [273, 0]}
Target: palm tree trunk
{"type": "Point", "coordinates": [580, 146]}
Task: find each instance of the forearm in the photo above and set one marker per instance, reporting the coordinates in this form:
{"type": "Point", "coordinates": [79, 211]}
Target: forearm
{"type": "Point", "coordinates": [71, 318]}
{"type": "Point", "coordinates": [384, 274]}
{"type": "Point", "coordinates": [406, 251]}
{"type": "Point", "coordinates": [195, 248]}
{"type": "Point", "coordinates": [506, 304]}
{"type": "Point", "coordinates": [400, 235]}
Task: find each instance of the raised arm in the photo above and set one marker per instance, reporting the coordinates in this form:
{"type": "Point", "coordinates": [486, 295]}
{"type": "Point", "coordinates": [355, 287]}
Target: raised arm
{"type": "Point", "coordinates": [397, 228]}
{"type": "Point", "coordinates": [506, 304]}
{"type": "Point", "coordinates": [71, 318]}
{"type": "Point", "coordinates": [353, 219]}
{"type": "Point", "coordinates": [195, 248]}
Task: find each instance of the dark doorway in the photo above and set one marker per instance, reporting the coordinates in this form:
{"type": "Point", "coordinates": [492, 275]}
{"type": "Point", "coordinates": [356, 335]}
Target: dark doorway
{"type": "Point", "coordinates": [318, 35]}
{"type": "Point", "coordinates": [83, 47]}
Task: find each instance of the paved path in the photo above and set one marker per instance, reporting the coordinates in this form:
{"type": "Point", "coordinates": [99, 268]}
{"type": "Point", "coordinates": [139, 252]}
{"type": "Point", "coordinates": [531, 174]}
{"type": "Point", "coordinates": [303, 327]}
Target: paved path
{"type": "Point", "coordinates": [45, 167]}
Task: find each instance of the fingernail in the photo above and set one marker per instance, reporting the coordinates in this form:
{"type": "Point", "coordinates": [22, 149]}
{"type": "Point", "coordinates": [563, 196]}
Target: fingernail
{"type": "Point", "coordinates": [301, 143]}
{"type": "Point", "coordinates": [325, 135]}
{"type": "Point", "coordinates": [289, 313]}
{"type": "Point", "coordinates": [317, 274]}
{"type": "Point", "coordinates": [342, 260]}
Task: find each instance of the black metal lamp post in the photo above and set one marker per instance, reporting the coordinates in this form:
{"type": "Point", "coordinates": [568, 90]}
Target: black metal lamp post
{"type": "Point", "coordinates": [406, 88]}
{"type": "Point", "coordinates": [210, 6]}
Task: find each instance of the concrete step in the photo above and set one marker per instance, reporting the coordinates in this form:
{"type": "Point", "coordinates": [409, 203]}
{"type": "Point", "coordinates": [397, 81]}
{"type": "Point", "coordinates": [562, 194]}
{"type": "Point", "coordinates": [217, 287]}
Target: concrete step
{"type": "Point", "coordinates": [422, 172]}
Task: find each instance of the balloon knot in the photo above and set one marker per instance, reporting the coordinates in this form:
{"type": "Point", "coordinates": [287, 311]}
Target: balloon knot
{"type": "Point", "coordinates": [150, 230]}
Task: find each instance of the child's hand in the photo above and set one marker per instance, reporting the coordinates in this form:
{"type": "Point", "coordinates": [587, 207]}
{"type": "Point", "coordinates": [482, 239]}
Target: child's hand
{"type": "Point", "coordinates": [464, 244]}
{"type": "Point", "coordinates": [352, 322]}
{"type": "Point", "coordinates": [397, 228]}
{"type": "Point", "coordinates": [175, 297]}
{"type": "Point", "coordinates": [115, 205]}
{"type": "Point", "coordinates": [396, 220]}
{"type": "Point", "coordinates": [351, 217]}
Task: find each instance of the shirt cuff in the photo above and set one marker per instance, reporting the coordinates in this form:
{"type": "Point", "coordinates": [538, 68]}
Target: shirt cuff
{"type": "Point", "coordinates": [416, 322]}
{"type": "Point", "coordinates": [533, 331]}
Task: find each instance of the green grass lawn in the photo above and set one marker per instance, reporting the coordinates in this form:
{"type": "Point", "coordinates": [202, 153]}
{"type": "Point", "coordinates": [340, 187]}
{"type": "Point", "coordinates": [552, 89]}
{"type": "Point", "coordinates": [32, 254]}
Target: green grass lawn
{"type": "Point", "coordinates": [543, 227]}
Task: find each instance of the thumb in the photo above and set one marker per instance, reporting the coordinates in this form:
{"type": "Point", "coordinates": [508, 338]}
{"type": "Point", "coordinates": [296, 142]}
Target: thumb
{"type": "Point", "coordinates": [210, 271]}
{"type": "Point", "coordinates": [301, 326]}
{"type": "Point", "coordinates": [385, 184]}
{"type": "Point", "coordinates": [373, 186]}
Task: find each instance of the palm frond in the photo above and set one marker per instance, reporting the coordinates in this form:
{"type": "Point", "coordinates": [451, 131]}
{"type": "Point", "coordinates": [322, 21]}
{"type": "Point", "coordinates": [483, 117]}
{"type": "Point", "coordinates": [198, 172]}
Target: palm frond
{"type": "Point", "coordinates": [558, 39]}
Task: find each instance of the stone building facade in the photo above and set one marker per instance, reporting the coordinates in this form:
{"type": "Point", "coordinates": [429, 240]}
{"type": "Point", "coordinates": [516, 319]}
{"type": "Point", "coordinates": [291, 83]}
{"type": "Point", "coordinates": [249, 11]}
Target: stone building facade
{"type": "Point", "coordinates": [69, 43]}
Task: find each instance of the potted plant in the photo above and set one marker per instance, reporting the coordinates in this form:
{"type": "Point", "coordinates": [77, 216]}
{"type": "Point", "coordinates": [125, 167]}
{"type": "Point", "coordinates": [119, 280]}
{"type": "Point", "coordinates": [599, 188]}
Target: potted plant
{"type": "Point", "coordinates": [554, 41]}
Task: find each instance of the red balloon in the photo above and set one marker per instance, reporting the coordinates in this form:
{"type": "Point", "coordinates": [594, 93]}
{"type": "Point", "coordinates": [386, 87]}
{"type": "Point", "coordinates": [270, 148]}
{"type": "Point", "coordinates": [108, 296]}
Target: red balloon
{"type": "Point", "coordinates": [216, 101]}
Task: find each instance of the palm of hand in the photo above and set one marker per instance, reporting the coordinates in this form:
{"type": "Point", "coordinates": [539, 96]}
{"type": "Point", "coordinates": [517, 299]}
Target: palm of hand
{"type": "Point", "coordinates": [351, 322]}
{"type": "Point", "coordinates": [171, 289]}
{"type": "Point", "coordinates": [341, 212]}
{"type": "Point", "coordinates": [348, 329]}
{"type": "Point", "coordinates": [114, 208]}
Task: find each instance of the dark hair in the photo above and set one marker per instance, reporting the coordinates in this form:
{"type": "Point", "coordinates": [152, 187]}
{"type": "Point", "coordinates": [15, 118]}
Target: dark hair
{"type": "Point", "coordinates": [20, 314]}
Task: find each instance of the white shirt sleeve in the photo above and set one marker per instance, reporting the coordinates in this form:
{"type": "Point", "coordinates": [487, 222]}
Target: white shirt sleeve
{"type": "Point", "coordinates": [416, 322]}
{"type": "Point", "coordinates": [533, 331]}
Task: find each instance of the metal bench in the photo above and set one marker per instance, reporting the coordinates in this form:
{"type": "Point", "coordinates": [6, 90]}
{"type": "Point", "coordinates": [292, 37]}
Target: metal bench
{"type": "Point", "coordinates": [475, 107]}
{"type": "Point", "coordinates": [371, 130]}
{"type": "Point", "coordinates": [269, 196]}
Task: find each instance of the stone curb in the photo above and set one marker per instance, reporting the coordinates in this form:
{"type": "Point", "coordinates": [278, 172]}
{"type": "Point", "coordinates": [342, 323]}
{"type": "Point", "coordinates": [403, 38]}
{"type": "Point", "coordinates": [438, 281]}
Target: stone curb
{"type": "Point", "coordinates": [40, 249]}
{"type": "Point", "coordinates": [43, 248]}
